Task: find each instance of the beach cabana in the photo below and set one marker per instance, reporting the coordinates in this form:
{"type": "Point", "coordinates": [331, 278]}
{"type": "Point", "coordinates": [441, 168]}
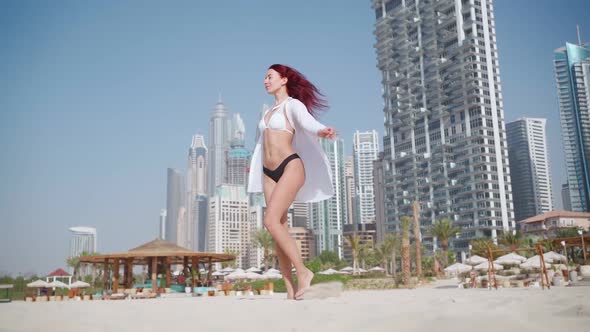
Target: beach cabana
{"type": "Point", "coordinates": [159, 256]}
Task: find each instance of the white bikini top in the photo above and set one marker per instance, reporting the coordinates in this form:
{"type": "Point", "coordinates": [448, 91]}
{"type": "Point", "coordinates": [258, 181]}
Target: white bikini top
{"type": "Point", "coordinates": [277, 120]}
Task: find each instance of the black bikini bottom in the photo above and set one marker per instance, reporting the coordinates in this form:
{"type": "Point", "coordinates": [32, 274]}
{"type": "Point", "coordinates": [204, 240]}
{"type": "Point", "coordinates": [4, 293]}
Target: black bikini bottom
{"type": "Point", "coordinates": [278, 172]}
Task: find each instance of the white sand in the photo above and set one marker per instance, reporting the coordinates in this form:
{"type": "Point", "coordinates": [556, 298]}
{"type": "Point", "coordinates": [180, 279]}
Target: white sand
{"type": "Point", "coordinates": [424, 309]}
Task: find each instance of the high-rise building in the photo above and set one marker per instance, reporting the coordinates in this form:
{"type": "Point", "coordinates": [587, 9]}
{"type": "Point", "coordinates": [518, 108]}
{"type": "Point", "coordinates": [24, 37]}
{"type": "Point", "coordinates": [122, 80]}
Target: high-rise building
{"type": "Point", "coordinates": [365, 150]}
{"type": "Point", "coordinates": [565, 197]}
{"type": "Point", "coordinates": [328, 216]}
{"type": "Point", "coordinates": [229, 227]}
{"type": "Point", "coordinates": [300, 214]}
{"type": "Point", "coordinates": [445, 138]}
{"type": "Point", "coordinates": [83, 240]}
{"type": "Point", "coordinates": [219, 139]}
{"type": "Point", "coordinates": [572, 71]}
{"type": "Point", "coordinates": [379, 190]}
{"type": "Point", "coordinates": [196, 210]}
{"type": "Point", "coordinates": [305, 242]}
{"type": "Point", "coordinates": [350, 189]}
{"type": "Point", "coordinates": [162, 224]}
{"type": "Point", "coordinates": [529, 167]}
{"type": "Point", "coordinates": [366, 233]}
{"type": "Point", "coordinates": [238, 157]}
{"type": "Point", "coordinates": [175, 192]}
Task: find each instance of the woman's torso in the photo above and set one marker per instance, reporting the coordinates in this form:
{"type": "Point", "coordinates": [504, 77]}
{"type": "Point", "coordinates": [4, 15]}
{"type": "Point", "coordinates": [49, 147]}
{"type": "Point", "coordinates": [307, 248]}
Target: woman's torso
{"type": "Point", "coordinates": [277, 136]}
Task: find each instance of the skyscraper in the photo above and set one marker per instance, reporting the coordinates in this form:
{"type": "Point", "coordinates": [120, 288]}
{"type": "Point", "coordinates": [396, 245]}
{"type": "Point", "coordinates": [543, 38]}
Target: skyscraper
{"type": "Point", "coordinates": [529, 167]}
{"type": "Point", "coordinates": [572, 71]}
{"type": "Point", "coordinates": [162, 224]}
{"type": "Point", "coordinates": [238, 157]}
{"type": "Point", "coordinates": [196, 193]}
{"type": "Point", "coordinates": [219, 138]}
{"type": "Point", "coordinates": [350, 191]}
{"type": "Point", "coordinates": [365, 149]}
{"type": "Point", "coordinates": [328, 216]}
{"type": "Point", "coordinates": [229, 224]}
{"type": "Point", "coordinates": [83, 240]}
{"type": "Point", "coordinates": [445, 138]}
{"type": "Point", "coordinates": [174, 206]}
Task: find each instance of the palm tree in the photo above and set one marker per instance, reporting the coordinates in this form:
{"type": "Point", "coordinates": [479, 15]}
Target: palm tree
{"type": "Point", "coordinates": [443, 230]}
{"type": "Point", "coordinates": [417, 241]}
{"type": "Point", "coordinates": [364, 251]}
{"type": "Point", "coordinates": [263, 239]}
{"type": "Point", "coordinates": [405, 223]}
{"type": "Point", "coordinates": [480, 247]}
{"type": "Point", "coordinates": [392, 245]}
{"type": "Point", "coordinates": [353, 241]}
{"type": "Point", "coordinates": [232, 262]}
{"type": "Point", "coordinates": [74, 263]}
{"type": "Point", "coordinates": [512, 240]}
{"type": "Point", "coordinates": [381, 255]}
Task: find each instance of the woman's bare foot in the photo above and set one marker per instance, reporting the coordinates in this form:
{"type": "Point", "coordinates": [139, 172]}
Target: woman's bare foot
{"type": "Point", "coordinates": [303, 282]}
{"type": "Point", "coordinates": [290, 288]}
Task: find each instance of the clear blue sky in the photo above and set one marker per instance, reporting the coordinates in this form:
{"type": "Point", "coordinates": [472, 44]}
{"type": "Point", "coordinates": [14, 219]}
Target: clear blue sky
{"type": "Point", "coordinates": [98, 98]}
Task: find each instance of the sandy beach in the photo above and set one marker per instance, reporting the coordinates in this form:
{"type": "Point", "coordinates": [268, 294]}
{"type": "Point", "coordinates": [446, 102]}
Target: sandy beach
{"type": "Point", "coordinates": [423, 309]}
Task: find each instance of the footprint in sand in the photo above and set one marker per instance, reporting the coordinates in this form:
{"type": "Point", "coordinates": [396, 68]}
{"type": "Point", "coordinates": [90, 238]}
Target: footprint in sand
{"type": "Point", "coordinates": [323, 291]}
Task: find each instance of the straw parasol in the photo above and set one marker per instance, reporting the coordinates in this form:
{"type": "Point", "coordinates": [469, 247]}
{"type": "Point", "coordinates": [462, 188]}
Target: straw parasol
{"type": "Point", "coordinates": [377, 269]}
{"type": "Point", "coordinates": [552, 256]}
{"type": "Point", "coordinates": [38, 284]}
{"type": "Point", "coordinates": [510, 258]}
{"type": "Point", "coordinates": [328, 272]}
{"type": "Point", "coordinates": [475, 260]}
{"type": "Point", "coordinates": [486, 266]}
{"type": "Point", "coordinates": [457, 268]}
{"type": "Point", "coordinates": [533, 263]}
{"type": "Point", "coordinates": [79, 284]}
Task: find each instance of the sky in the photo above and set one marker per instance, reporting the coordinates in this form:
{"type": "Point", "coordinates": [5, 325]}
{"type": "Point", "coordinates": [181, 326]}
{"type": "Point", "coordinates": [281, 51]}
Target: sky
{"type": "Point", "coordinates": [98, 99]}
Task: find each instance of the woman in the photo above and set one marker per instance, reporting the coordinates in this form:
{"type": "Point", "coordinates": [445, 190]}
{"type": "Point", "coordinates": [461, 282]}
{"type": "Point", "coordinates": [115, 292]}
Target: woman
{"type": "Point", "coordinates": [288, 163]}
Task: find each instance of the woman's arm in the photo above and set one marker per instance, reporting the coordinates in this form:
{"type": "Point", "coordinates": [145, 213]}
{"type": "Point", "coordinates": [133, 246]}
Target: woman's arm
{"type": "Point", "coordinates": [303, 119]}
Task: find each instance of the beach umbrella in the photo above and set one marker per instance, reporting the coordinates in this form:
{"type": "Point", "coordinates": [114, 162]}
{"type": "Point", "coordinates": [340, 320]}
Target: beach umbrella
{"type": "Point", "coordinates": [552, 256]}
{"type": "Point", "coordinates": [533, 263]}
{"type": "Point", "coordinates": [218, 274]}
{"type": "Point", "coordinates": [253, 275]}
{"type": "Point", "coordinates": [272, 276]}
{"type": "Point", "coordinates": [236, 275]}
{"type": "Point", "coordinates": [458, 268]}
{"type": "Point", "coordinates": [328, 272]}
{"type": "Point", "coordinates": [510, 258]}
{"type": "Point", "coordinates": [79, 284]}
{"type": "Point", "coordinates": [228, 269]}
{"type": "Point", "coordinates": [486, 266]}
{"type": "Point", "coordinates": [254, 269]}
{"type": "Point", "coordinates": [475, 260]}
{"type": "Point", "coordinates": [272, 270]}
{"type": "Point", "coordinates": [347, 269]}
{"type": "Point", "coordinates": [362, 270]}
{"type": "Point", "coordinates": [38, 284]}
{"type": "Point", "coordinates": [377, 269]}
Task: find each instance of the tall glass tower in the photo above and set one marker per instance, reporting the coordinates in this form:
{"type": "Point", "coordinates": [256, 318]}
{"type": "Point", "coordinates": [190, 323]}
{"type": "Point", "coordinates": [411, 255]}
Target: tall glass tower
{"type": "Point", "coordinates": [365, 149]}
{"type": "Point", "coordinates": [219, 138]}
{"type": "Point", "coordinates": [328, 217]}
{"type": "Point", "coordinates": [445, 138]}
{"type": "Point", "coordinates": [196, 193]}
{"type": "Point", "coordinates": [529, 164]}
{"type": "Point", "coordinates": [572, 72]}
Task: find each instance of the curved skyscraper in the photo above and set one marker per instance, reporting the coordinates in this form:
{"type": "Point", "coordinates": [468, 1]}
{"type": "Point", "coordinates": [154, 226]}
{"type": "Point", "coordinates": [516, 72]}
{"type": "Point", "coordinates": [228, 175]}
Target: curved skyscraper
{"type": "Point", "coordinates": [572, 71]}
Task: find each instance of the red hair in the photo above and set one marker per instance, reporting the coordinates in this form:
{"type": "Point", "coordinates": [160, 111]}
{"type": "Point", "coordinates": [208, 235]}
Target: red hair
{"type": "Point", "coordinates": [300, 88]}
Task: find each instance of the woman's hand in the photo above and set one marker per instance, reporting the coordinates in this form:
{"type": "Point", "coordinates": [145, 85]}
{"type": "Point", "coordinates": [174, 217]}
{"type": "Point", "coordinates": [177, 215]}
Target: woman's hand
{"type": "Point", "coordinates": [327, 132]}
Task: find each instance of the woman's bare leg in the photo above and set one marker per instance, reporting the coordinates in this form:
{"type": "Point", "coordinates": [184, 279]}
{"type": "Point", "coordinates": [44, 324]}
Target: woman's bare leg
{"type": "Point", "coordinates": [282, 196]}
{"type": "Point", "coordinates": [285, 264]}
{"type": "Point", "coordinates": [284, 261]}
